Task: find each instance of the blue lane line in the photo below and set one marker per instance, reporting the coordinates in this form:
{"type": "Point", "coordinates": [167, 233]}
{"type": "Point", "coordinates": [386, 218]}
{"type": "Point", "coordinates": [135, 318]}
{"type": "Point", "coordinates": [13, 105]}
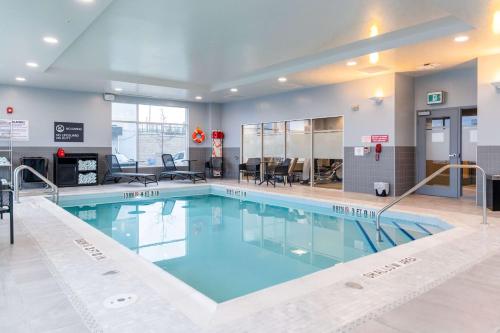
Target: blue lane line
{"type": "Point", "coordinates": [387, 236]}
{"type": "Point", "coordinates": [424, 229]}
{"type": "Point", "coordinates": [404, 231]}
{"type": "Point", "coordinates": [363, 231]}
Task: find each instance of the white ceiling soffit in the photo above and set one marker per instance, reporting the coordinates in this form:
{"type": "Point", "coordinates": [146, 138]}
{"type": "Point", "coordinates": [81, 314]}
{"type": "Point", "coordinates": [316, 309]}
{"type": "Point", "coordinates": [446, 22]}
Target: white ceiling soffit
{"type": "Point", "coordinates": [435, 29]}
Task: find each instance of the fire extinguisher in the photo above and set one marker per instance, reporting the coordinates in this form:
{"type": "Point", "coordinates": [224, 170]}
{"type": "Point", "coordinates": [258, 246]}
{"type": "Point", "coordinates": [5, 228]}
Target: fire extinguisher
{"type": "Point", "coordinates": [61, 153]}
{"type": "Point", "coordinates": [378, 150]}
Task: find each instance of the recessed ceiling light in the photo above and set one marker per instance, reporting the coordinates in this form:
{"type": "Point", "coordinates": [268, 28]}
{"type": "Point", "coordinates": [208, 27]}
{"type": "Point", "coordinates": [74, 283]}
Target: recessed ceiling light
{"type": "Point", "coordinates": [461, 39]}
{"type": "Point", "coordinates": [118, 89]}
{"type": "Point", "coordinates": [199, 98]}
{"type": "Point", "coordinates": [32, 64]}
{"type": "Point", "coordinates": [496, 22]}
{"type": "Point", "coordinates": [373, 30]}
{"type": "Point", "coordinates": [351, 63]}
{"type": "Point", "coordinates": [50, 40]}
{"type": "Point", "coordinates": [86, 1]}
{"type": "Point", "coordinates": [20, 79]}
{"type": "Point", "coordinates": [282, 79]}
{"type": "Point", "coordinates": [299, 252]}
{"type": "Point", "coordinates": [374, 58]}
{"type": "Point", "coordinates": [233, 90]}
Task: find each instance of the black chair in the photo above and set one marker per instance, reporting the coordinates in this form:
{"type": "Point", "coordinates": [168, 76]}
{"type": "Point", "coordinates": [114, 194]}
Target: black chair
{"type": "Point", "coordinates": [115, 172]}
{"type": "Point", "coordinates": [282, 170]}
{"type": "Point", "coordinates": [171, 171]}
{"type": "Point", "coordinates": [250, 168]}
{"type": "Point", "coordinates": [7, 206]}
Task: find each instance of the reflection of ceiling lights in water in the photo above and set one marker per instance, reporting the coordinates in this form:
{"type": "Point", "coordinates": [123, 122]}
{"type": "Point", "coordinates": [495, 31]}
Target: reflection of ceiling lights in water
{"type": "Point", "coordinates": [136, 212]}
{"type": "Point", "coordinates": [299, 252]}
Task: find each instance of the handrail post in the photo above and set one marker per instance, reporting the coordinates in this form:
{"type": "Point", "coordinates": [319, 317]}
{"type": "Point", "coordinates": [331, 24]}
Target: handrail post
{"type": "Point", "coordinates": [55, 189]}
{"type": "Point", "coordinates": [425, 181]}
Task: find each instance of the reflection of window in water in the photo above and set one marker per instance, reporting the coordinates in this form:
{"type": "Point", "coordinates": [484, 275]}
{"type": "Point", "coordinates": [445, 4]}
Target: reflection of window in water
{"type": "Point", "coordinates": [312, 238]}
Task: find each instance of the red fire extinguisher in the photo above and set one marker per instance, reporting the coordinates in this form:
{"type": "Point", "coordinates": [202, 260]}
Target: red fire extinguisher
{"type": "Point", "coordinates": [378, 150]}
{"type": "Point", "coordinates": [60, 152]}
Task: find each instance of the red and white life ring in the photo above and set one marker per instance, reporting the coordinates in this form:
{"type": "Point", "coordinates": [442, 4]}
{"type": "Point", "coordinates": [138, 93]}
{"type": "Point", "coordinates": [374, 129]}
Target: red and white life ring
{"type": "Point", "coordinates": [198, 135]}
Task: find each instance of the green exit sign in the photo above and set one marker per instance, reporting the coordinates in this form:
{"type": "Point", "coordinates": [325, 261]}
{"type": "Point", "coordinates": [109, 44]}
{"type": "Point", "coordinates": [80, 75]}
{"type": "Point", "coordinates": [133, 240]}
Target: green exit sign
{"type": "Point", "coordinates": [435, 97]}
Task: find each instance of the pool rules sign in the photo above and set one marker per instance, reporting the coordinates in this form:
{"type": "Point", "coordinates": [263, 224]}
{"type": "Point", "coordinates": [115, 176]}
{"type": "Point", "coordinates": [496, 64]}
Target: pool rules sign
{"type": "Point", "coordinates": [68, 132]}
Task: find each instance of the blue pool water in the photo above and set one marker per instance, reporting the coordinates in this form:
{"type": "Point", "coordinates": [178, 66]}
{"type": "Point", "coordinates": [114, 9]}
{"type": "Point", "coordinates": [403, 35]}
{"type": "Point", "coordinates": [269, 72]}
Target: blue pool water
{"type": "Point", "coordinates": [226, 247]}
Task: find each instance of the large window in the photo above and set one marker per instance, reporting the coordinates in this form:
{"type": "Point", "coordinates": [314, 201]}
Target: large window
{"type": "Point", "coordinates": [144, 132]}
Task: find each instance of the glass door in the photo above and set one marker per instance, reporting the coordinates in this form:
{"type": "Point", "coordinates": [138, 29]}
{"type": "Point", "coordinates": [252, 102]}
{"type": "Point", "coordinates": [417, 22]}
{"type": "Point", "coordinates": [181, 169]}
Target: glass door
{"type": "Point", "coordinates": [438, 145]}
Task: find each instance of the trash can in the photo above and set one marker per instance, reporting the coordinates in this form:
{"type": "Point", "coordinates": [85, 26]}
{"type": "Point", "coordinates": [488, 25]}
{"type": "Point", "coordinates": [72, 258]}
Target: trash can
{"type": "Point", "coordinates": [381, 189]}
{"type": "Point", "coordinates": [493, 192]}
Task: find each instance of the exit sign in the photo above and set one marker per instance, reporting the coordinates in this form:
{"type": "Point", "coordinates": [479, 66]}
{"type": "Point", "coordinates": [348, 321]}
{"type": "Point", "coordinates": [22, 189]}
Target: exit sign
{"type": "Point", "coordinates": [436, 97]}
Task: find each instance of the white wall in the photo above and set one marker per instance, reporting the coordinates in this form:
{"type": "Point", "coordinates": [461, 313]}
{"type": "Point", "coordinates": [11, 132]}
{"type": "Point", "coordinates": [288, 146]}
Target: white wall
{"type": "Point", "coordinates": [460, 84]}
{"type": "Point", "coordinates": [325, 101]}
{"type": "Point", "coordinates": [41, 107]}
{"type": "Point", "coordinates": [488, 101]}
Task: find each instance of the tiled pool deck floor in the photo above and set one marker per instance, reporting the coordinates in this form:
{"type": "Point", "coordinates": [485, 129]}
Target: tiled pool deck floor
{"type": "Point", "coordinates": [49, 284]}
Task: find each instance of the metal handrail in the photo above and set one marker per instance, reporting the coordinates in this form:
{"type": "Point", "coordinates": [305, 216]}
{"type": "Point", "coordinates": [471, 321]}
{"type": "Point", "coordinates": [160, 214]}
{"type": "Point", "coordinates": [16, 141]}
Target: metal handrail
{"type": "Point", "coordinates": [55, 189]}
{"type": "Point", "coordinates": [425, 181]}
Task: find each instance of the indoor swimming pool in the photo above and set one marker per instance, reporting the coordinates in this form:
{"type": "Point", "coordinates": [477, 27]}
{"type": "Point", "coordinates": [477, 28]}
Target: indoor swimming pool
{"type": "Point", "coordinates": [226, 247]}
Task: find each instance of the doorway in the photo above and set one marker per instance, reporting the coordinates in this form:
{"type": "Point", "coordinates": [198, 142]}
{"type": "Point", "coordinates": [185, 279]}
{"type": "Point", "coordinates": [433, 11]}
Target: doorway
{"type": "Point", "coordinates": [447, 136]}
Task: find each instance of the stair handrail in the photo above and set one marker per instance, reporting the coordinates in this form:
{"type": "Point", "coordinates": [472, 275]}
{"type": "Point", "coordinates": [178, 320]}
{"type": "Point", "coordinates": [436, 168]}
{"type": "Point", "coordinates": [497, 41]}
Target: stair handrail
{"type": "Point", "coordinates": [55, 189]}
{"type": "Point", "coordinates": [425, 181]}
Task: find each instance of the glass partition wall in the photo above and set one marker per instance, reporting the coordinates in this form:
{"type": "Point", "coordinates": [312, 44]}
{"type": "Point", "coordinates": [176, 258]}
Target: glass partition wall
{"type": "Point", "coordinates": [328, 151]}
{"type": "Point", "coordinates": [314, 146]}
{"type": "Point", "coordinates": [251, 141]}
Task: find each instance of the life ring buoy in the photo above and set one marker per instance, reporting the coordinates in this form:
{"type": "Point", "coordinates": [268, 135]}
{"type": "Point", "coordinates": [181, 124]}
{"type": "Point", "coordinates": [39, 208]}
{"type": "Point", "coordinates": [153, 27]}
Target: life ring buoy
{"type": "Point", "coordinates": [198, 135]}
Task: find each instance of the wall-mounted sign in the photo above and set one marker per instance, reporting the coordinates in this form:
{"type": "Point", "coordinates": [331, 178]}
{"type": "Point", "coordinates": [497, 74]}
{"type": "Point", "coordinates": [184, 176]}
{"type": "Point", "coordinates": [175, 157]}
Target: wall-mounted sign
{"type": "Point", "coordinates": [436, 97]}
{"type": "Point", "coordinates": [423, 113]}
{"type": "Point", "coordinates": [68, 132]}
{"type": "Point", "coordinates": [380, 138]}
{"type": "Point", "coordinates": [20, 129]}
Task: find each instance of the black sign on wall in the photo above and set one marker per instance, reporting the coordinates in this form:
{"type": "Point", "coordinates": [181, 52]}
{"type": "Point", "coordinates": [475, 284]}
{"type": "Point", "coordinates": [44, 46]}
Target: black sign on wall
{"type": "Point", "coordinates": [68, 132]}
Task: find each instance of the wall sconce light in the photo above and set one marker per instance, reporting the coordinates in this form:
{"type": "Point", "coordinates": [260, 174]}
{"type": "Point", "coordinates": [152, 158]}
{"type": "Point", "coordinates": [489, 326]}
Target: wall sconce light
{"type": "Point", "coordinates": [377, 99]}
{"type": "Point", "coordinates": [496, 85]}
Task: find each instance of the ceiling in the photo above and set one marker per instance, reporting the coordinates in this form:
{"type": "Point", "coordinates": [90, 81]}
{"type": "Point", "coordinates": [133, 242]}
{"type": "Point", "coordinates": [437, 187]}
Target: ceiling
{"type": "Point", "coordinates": [180, 49]}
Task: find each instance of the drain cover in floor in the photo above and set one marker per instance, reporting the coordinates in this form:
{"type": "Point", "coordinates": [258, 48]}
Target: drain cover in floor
{"type": "Point", "coordinates": [119, 301]}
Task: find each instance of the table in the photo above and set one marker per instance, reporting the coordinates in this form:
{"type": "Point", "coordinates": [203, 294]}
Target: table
{"type": "Point", "coordinates": [264, 177]}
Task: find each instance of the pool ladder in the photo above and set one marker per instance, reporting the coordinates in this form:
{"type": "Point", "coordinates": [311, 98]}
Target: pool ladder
{"type": "Point", "coordinates": [54, 189]}
{"type": "Point", "coordinates": [425, 181]}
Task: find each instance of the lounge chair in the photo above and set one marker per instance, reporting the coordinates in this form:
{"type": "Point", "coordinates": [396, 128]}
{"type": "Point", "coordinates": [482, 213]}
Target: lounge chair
{"type": "Point", "coordinates": [7, 206]}
{"type": "Point", "coordinates": [115, 173]}
{"type": "Point", "coordinates": [171, 171]}
{"type": "Point", "coordinates": [280, 171]}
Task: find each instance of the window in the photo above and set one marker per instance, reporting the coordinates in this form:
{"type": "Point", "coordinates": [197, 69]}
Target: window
{"type": "Point", "coordinates": [144, 132]}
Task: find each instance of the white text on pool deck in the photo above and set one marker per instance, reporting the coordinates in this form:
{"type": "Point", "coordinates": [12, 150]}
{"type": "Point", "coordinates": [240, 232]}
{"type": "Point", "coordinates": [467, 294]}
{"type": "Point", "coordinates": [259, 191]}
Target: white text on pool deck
{"type": "Point", "coordinates": [390, 267]}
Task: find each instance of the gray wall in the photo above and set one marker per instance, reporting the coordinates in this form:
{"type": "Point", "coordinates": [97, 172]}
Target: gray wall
{"type": "Point", "coordinates": [325, 101]}
{"type": "Point", "coordinates": [488, 150]}
{"type": "Point", "coordinates": [461, 85]}
{"type": "Point", "coordinates": [41, 107]}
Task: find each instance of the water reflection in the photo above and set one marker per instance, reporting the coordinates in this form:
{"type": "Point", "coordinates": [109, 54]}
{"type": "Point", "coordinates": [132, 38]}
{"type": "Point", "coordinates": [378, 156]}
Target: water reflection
{"type": "Point", "coordinates": [226, 247]}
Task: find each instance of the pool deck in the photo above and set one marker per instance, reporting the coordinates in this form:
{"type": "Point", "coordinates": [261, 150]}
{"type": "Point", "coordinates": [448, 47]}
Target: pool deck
{"type": "Point", "coordinates": [49, 284]}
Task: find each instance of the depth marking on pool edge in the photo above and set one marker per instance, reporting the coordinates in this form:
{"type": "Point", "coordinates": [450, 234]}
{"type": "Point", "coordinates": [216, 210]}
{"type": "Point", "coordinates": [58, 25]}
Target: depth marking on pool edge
{"type": "Point", "coordinates": [390, 267]}
{"type": "Point", "coordinates": [90, 249]}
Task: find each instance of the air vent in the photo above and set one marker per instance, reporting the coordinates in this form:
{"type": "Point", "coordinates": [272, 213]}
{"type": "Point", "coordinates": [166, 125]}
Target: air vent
{"type": "Point", "coordinates": [428, 66]}
{"type": "Point", "coordinates": [374, 69]}
{"type": "Point", "coordinates": [233, 96]}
